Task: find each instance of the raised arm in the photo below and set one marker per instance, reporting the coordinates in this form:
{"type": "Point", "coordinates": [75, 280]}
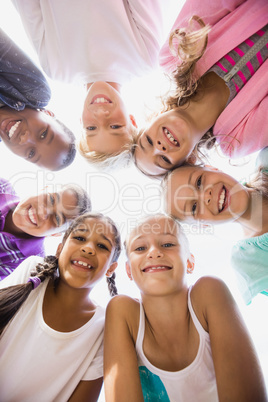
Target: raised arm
{"type": "Point", "coordinates": [121, 374]}
{"type": "Point", "coordinates": [238, 373]}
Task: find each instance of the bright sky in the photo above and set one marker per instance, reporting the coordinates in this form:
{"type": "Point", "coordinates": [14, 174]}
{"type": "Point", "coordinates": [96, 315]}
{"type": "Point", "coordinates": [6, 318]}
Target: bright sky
{"type": "Point", "coordinates": [127, 195]}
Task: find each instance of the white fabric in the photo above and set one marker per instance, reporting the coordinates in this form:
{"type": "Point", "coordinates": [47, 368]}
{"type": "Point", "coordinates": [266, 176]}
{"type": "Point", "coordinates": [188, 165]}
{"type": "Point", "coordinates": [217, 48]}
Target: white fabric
{"type": "Point", "coordinates": [197, 382]}
{"type": "Point", "coordinates": [85, 41]}
{"type": "Point", "coordinates": [38, 363]}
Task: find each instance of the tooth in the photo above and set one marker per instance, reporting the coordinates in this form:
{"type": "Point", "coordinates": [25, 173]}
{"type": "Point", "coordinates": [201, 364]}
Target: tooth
{"type": "Point", "coordinates": [13, 129]}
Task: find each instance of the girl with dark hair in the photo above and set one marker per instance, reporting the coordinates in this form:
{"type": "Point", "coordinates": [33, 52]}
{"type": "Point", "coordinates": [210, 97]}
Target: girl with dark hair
{"type": "Point", "coordinates": [52, 331]}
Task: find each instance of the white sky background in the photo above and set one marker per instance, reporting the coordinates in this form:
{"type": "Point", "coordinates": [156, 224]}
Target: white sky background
{"type": "Point", "coordinates": [127, 195]}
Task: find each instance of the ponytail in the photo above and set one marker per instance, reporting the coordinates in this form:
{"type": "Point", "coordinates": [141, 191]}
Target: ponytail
{"type": "Point", "coordinates": [13, 297]}
{"type": "Point", "coordinates": [111, 285]}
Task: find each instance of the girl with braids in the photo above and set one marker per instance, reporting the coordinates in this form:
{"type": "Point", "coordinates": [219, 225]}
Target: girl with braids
{"type": "Point", "coordinates": [180, 342]}
{"type": "Point", "coordinates": [217, 55]}
{"type": "Point", "coordinates": [207, 195]}
{"type": "Point", "coordinates": [52, 331]}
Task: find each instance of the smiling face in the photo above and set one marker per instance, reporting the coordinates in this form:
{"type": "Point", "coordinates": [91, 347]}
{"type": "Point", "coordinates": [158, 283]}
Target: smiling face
{"type": "Point", "coordinates": [34, 136]}
{"type": "Point", "coordinates": [45, 213]}
{"type": "Point", "coordinates": [106, 124]}
{"type": "Point", "coordinates": [157, 256]}
{"type": "Point", "coordinates": [165, 144]}
{"type": "Point", "coordinates": [194, 193]}
{"type": "Point", "coordinates": [87, 254]}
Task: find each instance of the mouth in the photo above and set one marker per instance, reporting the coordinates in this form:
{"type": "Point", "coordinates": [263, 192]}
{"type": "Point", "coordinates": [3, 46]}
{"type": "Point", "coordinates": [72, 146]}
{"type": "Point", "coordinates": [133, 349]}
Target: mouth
{"type": "Point", "coordinates": [170, 137]}
{"type": "Point", "coordinates": [82, 264]}
{"type": "Point", "coordinates": [156, 268]}
{"type": "Point", "coordinates": [32, 216]}
{"type": "Point", "coordinates": [10, 127]}
{"type": "Point", "coordinates": [222, 203]}
{"type": "Point", "coordinates": [100, 100]}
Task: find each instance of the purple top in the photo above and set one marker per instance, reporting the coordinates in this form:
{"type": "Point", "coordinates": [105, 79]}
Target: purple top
{"type": "Point", "coordinates": [13, 250]}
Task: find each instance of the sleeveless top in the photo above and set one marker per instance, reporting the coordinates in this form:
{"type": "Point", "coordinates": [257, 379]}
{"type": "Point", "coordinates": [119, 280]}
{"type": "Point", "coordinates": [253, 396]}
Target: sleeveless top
{"type": "Point", "coordinates": [195, 382]}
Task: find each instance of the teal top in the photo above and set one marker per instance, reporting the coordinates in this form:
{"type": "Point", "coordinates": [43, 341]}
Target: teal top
{"type": "Point", "coordinates": [250, 256]}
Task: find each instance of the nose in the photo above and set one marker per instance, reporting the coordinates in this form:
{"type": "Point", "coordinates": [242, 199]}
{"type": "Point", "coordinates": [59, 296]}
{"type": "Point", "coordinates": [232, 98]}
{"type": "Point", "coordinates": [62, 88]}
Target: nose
{"type": "Point", "coordinates": [101, 112]}
{"type": "Point", "coordinates": [88, 249]}
{"type": "Point", "coordinates": [154, 252]}
{"type": "Point", "coordinates": [208, 196]}
{"type": "Point", "coordinates": [24, 138]}
{"type": "Point", "coordinates": [43, 213]}
{"type": "Point", "coordinates": [160, 146]}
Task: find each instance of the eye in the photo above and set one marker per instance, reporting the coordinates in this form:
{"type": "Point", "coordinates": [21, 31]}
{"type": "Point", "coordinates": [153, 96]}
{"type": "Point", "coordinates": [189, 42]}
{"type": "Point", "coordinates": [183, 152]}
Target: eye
{"type": "Point", "coordinates": [101, 245]}
{"type": "Point", "coordinates": [194, 209]}
{"type": "Point", "coordinates": [57, 220]}
{"type": "Point", "coordinates": [115, 126]}
{"type": "Point", "coordinates": [79, 238]}
{"type": "Point", "coordinates": [149, 140]}
{"type": "Point", "coordinates": [91, 128]}
{"type": "Point", "coordinates": [141, 248]}
{"type": "Point", "coordinates": [199, 182]}
{"type": "Point", "coordinates": [31, 154]}
{"type": "Point", "coordinates": [44, 134]}
{"type": "Point", "coordinates": [168, 245]}
{"type": "Point", "coordinates": [166, 159]}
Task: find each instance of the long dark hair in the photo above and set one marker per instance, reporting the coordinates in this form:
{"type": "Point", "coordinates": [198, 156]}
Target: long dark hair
{"type": "Point", "coordinates": [12, 297]}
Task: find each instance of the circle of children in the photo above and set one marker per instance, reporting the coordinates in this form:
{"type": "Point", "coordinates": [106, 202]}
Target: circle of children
{"type": "Point", "coordinates": [176, 343]}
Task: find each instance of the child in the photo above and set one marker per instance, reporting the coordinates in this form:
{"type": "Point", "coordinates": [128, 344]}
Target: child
{"type": "Point", "coordinates": [111, 42]}
{"type": "Point", "coordinates": [177, 343]}
{"type": "Point", "coordinates": [52, 348]}
{"type": "Point", "coordinates": [25, 223]}
{"type": "Point", "coordinates": [25, 130]}
{"type": "Point", "coordinates": [208, 195]}
{"type": "Point", "coordinates": [228, 103]}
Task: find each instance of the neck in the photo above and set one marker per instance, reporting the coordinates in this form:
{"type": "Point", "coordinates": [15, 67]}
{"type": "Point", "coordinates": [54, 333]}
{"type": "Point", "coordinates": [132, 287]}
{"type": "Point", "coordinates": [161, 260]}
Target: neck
{"type": "Point", "coordinates": [255, 220]}
{"type": "Point", "coordinates": [207, 104]}
{"type": "Point", "coordinates": [115, 85]}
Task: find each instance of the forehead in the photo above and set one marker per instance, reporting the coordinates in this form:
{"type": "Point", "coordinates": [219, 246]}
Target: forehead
{"type": "Point", "coordinates": [94, 226]}
{"type": "Point", "coordinates": [155, 227]}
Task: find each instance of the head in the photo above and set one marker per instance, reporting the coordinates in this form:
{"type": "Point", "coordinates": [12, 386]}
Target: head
{"type": "Point", "coordinates": [158, 250]}
{"type": "Point", "coordinates": [38, 137]}
{"type": "Point", "coordinates": [89, 250]}
{"type": "Point", "coordinates": [204, 194]}
{"type": "Point", "coordinates": [50, 212]}
{"type": "Point", "coordinates": [168, 142]}
{"type": "Point", "coordinates": [108, 129]}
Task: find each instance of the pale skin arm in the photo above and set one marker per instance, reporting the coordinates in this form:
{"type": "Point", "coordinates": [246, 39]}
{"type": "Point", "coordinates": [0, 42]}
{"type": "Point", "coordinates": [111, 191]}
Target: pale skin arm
{"type": "Point", "coordinates": [121, 374]}
{"type": "Point", "coordinates": [238, 373]}
{"type": "Point", "coordinates": [87, 391]}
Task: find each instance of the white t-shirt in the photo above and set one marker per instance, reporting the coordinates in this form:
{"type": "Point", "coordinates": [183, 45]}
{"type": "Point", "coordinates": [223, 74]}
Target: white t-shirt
{"type": "Point", "coordinates": [85, 41]}
{"type": "Point", "coordinates": [38, 363]}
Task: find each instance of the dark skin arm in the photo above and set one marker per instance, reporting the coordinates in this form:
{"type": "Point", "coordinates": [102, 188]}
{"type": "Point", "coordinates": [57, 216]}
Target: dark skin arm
{"type": "Point", "coordinates": [87, 391]}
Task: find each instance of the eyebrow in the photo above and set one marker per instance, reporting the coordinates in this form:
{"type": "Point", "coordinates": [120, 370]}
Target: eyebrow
{"type": "Point", "coordinates": [189, 182]}
{"type": "Point", "coordinates": [140, 144]}
{"type": "Point", "coordinates": [51, 138]}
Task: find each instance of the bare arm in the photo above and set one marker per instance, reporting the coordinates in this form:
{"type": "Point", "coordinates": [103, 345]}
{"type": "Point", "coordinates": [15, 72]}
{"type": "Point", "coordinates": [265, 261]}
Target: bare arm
{"type": "Point", "coordinates": [87, 391]}
{"type": "Point", "coordinates": [121, 374]}
{"type": "Point", "coordinates": [238, 373]}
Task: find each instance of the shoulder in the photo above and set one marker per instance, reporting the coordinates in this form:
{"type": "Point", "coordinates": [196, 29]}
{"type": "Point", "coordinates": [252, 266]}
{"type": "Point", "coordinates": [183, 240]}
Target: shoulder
{"type": "Point", "coordinates": [6, 187]}
{"type": "Point", "coordinates": [124, 310]}
{"type": "Point", "coordinates": [122, 304]}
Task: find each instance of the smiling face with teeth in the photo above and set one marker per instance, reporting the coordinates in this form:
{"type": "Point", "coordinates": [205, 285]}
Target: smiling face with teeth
{"type": "Point", "coordinates": [35, 136]}
{"type": "Point", "coordinates": [87, 254]}
{"type": "Point", "coordinates": [167, 142]}
{"type": "Point", "coordinates": [107, 127]}
{"type": "Point", "coordinates": [204, 194]}
{"type": "Point", "coordinates": [45, 214]}
{"type": "Point", "coordinates": [158, 253]}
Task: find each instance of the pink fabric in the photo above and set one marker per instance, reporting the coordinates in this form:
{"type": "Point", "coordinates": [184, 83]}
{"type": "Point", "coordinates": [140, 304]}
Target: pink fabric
{"type": "Point", "coordinates": [242, 128]}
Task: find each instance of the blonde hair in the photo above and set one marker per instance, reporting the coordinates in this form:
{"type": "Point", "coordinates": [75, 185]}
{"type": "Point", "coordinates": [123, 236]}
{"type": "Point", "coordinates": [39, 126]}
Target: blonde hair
{"type": "Point", "coordinates": [113, 161]}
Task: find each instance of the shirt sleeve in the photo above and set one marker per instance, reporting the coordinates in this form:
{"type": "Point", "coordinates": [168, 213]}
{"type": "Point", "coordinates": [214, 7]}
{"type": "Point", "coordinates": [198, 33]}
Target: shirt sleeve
{"type": "Point", "coordinates": [95, 370]}
{"type": "Point", "coordinates": [21, 82]}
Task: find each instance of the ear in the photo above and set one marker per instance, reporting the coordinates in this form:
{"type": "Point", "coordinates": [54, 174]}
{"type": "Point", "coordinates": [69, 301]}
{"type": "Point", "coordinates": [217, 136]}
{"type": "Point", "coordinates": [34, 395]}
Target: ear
{"type": "Point", "coordinates": [190, 264]}
{"type": "Point", "coordinates": [59, 250]}
{"type": "Point", "coordinates": [191, 159]}
{"type": "Point", "coordinates": [133, 121]}
{"type": "Point", "coordinates": [47, 112]}
{"type": "Point", "coordinates": [111, 270]}
{"type": "Point", "coordinates": [128, 271]}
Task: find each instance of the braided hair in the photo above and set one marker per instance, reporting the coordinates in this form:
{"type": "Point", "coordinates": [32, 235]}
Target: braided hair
{"type": "Point", "coordinates": [12, 297]}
